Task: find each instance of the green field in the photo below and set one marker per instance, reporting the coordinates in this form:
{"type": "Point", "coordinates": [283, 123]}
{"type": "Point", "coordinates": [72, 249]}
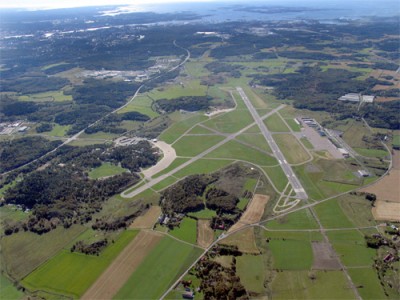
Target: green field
{"type": "Point", "coordinates": [187, 231]}
{"type": "Point", "coordinates": [141, 104]}
{"type": "Point", "coordinates": [106, 169]}
{"type": "Point", "coordinates": [251, 271]}
{"type": "Point", "coordinates": [396, 141]}
{"type": "Point", "coordinates": [159, 270]}
{"type": "Point", "coordinates": [200, 130]}
{"type": "Point", "coordinates": [235, 150]}
{"type": "Point", "coordinates": [275, 124]}
{"type": "Point", "coordinates": [57, 96]}
{"type": "Point", "coordinates": [302, 219]}
{"type": "Point", "coordinates": [165, 183]}
{"type": "Point", "coordinates": [291, 148]}
{"type": "Point", "coordinates": [298, 285]}
{"type": "Point", "coordinates": [78, 271]}
{"type": "Point", "coordinates": [203, 214]}
{"type": "Point", "coordinates": [25, 251]}
{"type": "Point", "coordinates": [203, 166]}
{"type": "Point", "coordinates": [277, 177]}
{"type": "Point", "coordinates": [367, 282]}
{"type": "Point", "coordinates": [8, 291]}
{"type": "Point", "coordinates": [193, 145]}
{"type": "Point", "coordinates": [371, 152]}
{"type": "Point", "coordinates": [189, 88]}
{"type": "Point", "coordinates": [291, 254]}
{"type": "Point", "coordinates": [230, 122]}
{"type": "Point", "coordinates": [293, 125]}
{"type": "Point", "coordinates": [175, 131]}
{"type": "Point", "coordinates": [177, 162]}
{"type": "Point", "coordinates": [331, 215]}
{"type": "Point", "coordinates": [307, 143]}
{"type": "Point", "coordinates": [59, 130]}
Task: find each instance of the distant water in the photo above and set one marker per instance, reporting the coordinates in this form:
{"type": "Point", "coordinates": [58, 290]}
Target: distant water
{"type": "Point", "coordinates": [322, 9]}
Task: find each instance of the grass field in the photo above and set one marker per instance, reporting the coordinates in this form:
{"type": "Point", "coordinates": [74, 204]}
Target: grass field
{"type": "Point", "coordinates": [177, 162]}
{"type": "Point", "coordinates": [141, 104]}
{"type": "Point", "coordinates": [200, 130]}
{"type": "Point", "coordinates": [357, 209]}
{"type": "Point", "coordinates": [307, 143]}
{"type": "Point", "coordinates": [203, 166]}
{"type": "Point", "coordinates": [230, 122]}
{"type": "Point", "coordinates": [371, 152]}
{"type": "Point", "coordinates": [251, 271]}
{"type": "Point", "coordinates": [277, 177]}
{"type": "Point", "coordinates": [106, 169]}
{"type": "Point", "coordinates": [99, 135]}
{"type": "Point", "coordinates": [291, 148]}
{"type": "Point", "coordinates": [302, 219]}
{"type": "Point", "coordinates": [291, 254]}
{"type": "Point", "coordinates": [396, 141]}
{"type": "Point", "coordinates": [56, 96]}
{"type": "Point", "coordinates": [25, 251]}
{"type": "Point", "coordinates": [298, 285]}
{"type": "Point", "coordinates": [8, 291]}
{"type": "Point", "coordinates": [310, 181]}
{"type": "Point", "coordinates": [367, 282]}
{"type": "Point", "coordinates": [203, 214]}
{"type": "Point", "coordinates": [275, 124]}
{"type": "Point", "coordinates": [78, 270]}
{"type": "Point", "coordinates": [351, 247]}
{"type": "Point", "coordinates": [159, 270]}
{"type": "Point", "coordinates": [59, 130]}
{"type": "Point", "coordinates": [189, 88]}
{"type": "Point", "coordinates": [165, 183]}
{"type": "Point", "coordinates": [175, 131]}
{"type": "Point", "coordinates": [331, 215]}
{"type": "Point", "coordinates": [293, 125]}
{"type": "Point", "coordinates": [257, 140]}
{"type": "Point", "coordinates": [192, 145]}
{"type": "Point", "coordinates": [235, 150]}
{"type": "Point", "coordinates": [186, 231]}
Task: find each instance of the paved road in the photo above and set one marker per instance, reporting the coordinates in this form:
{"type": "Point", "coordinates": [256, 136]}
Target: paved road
{"type": "Point", "coordinates": [294, 181]}
{"type": "Point", "coordinates": [230, 137]}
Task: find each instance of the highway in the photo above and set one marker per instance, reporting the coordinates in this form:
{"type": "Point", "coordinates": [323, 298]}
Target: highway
{"type": "Point", "coordinates": [294, 181]}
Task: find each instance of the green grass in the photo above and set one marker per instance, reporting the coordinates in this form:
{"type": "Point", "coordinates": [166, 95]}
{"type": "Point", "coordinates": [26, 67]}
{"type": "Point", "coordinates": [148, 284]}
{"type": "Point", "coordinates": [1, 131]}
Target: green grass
{"type": "Point", "coordinates": [141, 104]}
{"type": "Point", "coordinates": [277, 177]}
{"type": "Point", "coordinates": [25, 251]}
{"type": "Point", "coordinates": [200, 130]}
{"type": "Point", "coordinates": [203, 166]}
{"type": "Point", "coordinates": [190, 88]}
{"type": "Point", "coordinates": [371, 152]}
{"type": "Point", "coordinates": [291, 148]}
{"type": "Point", "coordinates": [99, 135]}
{"type": "Point", "coordinates": [298, 285]}
{"type": "Point", "coordinates": [251, 271]}
{"type": "Point", "coordinates": [194, 145]}
{"type": "Point", "coordinates": [310, 182]}
{"type": "Point", "coordinates": [302, 219]}
{"type": "Point", "coordinates": [79, 271]}
{"type": "Point", "coordinates": [291, 254]}
{"type": "Point", "coordinates": [351, 247]}
{"type": "Point", "coordinates": [159, 270]}
{"type": "Point", "coordinates": [7, 290]}
{"type": "Point", "coordinates": [235, 150]}
{"type": "Point", "coordinates": [203, 214]}
{"type": "Point", "coordinates": [311, 236]}
{"type": "Point", "coordinates": [257, 140]}
{"type": "Point", "coordinates": [396, 141]}
{"type": "Point", "coordinates": [59, 130]}
{"type": "Point", "coordinates": [5, 188]}
{"type": "Point", "coordinates": [307, 143]}
{"type": "Point", "coordinates": [293, 125]}
{"type": "Point", "coordinates": [176, 163]}
{"type": "Point", "coordinates": [242, 203]}
{"type": "Point", "coordinates": [187, 231]}
{"type": "Point", "coordinates": [171, 134]}
{"type": "Point", "coordinates": [106, 169]}
{"type": "Point", "coordinates": [165, 183]}
{"type": "Point", "coordinates": [368, 279]}
{"type": "Point", "coordinates": [331, 215]}
{"type": "Point", "coordinates": [57, 96]}
{"type": "Point", "coordinates": [85, 142]}
{"type": "Point", "coordinates": [230, 122]}
{"type": "Point", "coordinates": [275, 124]}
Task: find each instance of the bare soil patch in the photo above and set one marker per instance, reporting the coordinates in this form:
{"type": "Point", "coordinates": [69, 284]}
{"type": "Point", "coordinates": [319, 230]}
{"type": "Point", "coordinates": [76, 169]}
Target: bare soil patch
{"type": "Point", "coordinates": [115, 276]}
{"type": "Point", "coordinates": [253, 213]}
{"type": "Point", "coordinates": [245, 240]}
{"type": "Point", "coordinates": [205, 235]}
{"type": "Point", "coordinates": [386, 211]}
{"type": "Point", "coordinates": [148, 219]}
{"type": "Point", "coordinates": [387, 188]}
{"type": "Point", "coordinates": [324, 257]}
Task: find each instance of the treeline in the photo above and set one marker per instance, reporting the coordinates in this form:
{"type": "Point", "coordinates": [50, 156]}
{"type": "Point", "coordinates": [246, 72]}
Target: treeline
{"type": "Point", "coordinates": [112, 122]}
{"type": "Point", "coordinates": [89, 249]}
{"type": "Point", "coordinates": [188, 103]}
{"type": "Point", "coordinates": [20, 151]}
{"type": "Point", "coordinates": [30, 85]}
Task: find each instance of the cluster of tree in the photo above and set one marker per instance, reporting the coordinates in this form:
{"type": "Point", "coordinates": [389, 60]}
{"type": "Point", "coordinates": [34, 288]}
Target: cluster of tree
{"type": "Point", "coordinates": [58, 68]}
{"type": "Point", "coordinates": [189, 103]}
{"type": "Point", "coordinates": [13, 108]}
{"type": "Point", "coordinates": [17, 152]}
{"type": "Point", "coordinates": [383, 115]}
{"type": "Point", "coordinates": [307, 55]}
{"type": "Point", "coordinates": [375, 241]}
{"type": "Point", "coordinates": [89, 249]}
{"type": "Point", "coordinates": [220, 67]}
{"type": "Point", "coordinates": [221, 201]}
{"type": "Point", "coordinates": [44, 127]}
{"type": "Point", "coordinates": [30, 85]}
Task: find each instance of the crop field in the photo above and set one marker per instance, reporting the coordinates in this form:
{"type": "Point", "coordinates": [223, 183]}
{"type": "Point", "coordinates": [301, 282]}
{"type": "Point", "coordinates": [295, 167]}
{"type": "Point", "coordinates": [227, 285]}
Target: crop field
{"type": "Point", "coordinates": [8, 291]}
{"type": "Point", "coordinates": [275, 124]}
{"type": "Point", "coordinates": [175, 131]}
{"type": "Point", "coordinates": [244, 239]}
{"type": "Point", "coordinates": [189, 88]}
{"type": "Point", "coordinates": [23, 252]}
{"type": "Point", "coordinates": [148, 219]}
{"type": "Point", "coordinates": [367, 282]}
{"type": "Point", "coordinates": [256, 140]}
{"type": "Point", "coordinates": [277, 177]}
{"type": "Point", "coordinates": [351, 247]}
{"type": "Point", "coordinates": [205, 235]}
{"type": "Point", "coordinates": [56, 96]}
{"type": "Point", "coordinates": [291, 254]}
{"type": "Point", "coordinates": [115, 276]}
{"type": "Point", "coordinates": [302, 219]}
{"type": "Point", "coordinates": [291, 148]}
{"type": "Point", "coordinates": [194, 145]}
{"type": "Point", "coordinates": [186, 231]}
{"type": "Point", "coordinates": [105, 170]}
{"type": "Point", "coordinates": [331, 215]}
{"type": "Point", "coordinates": [251, 271]}
{"type": "Point", "coordinates": [357, 209]}
{"type": "Point", "coordinates": [141, 104]}
{"type": "Point", "coordinates": [203, 166]}
{"type": "Point", "coordinates": [230, 122]}
{"type": "Point", "coordinates": [299, 285]}
{"type": "Point", "coordinates": [159, 270]}
{"type": "Point", "coordinates": [235, 150]}
{"type": "Point", "coordinates": [79, 271]}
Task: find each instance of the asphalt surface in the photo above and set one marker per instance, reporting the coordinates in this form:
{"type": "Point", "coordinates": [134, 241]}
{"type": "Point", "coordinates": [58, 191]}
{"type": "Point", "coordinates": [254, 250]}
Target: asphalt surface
{"type": "Point", "coordinates": [294, 181]}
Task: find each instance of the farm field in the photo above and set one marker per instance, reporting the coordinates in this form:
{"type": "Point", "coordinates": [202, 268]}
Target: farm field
{"type": "Point", "coordinates": [8, 291]}
{"type": "Point", "coordinates": [205, 235]}
{"type": "Point", "coordinates": [187, 231]}
{"type": "Point", "coordinates": [244, 239]}
{"type": "Point", "coordinates": [79, 270]}
{"type": "Point", "coordinates": [148, 219]}
{"type": "Point", "coordinates": [105, 170]}
{"type": "Point", "coordinates": [331, 215]}
{"type": "Point", "coordinates": [291, 148]}
{"type": "Point", "coordinates": [302, 219]}
{"type": "Point", "coordinates": [158, 270]}
{"type": "Point", "coordinates": [367, 282]}
{"type": "Point", "coordinates": [252, 272]}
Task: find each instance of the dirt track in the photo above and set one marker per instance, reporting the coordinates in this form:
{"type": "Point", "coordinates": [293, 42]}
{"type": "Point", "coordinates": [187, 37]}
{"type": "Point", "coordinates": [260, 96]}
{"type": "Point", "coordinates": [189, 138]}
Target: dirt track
{"type": "Point", "coordinates": [205, 235]}
{"type": "Point", "coordinates": [148, 219]}
{"type": "Point", "coordinates": [115, 276]}
{"type": "Point", "coordinates": [253, 213]}
{"type": "Point", "coordinates": [169, 156]}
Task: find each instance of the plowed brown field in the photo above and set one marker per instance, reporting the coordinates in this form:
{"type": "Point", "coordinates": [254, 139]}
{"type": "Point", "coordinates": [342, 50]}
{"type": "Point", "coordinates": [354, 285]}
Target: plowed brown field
{"type": "Point", "coordinates": [205, 235]}
{"type": "Point", "coordinates": [148, 219]}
